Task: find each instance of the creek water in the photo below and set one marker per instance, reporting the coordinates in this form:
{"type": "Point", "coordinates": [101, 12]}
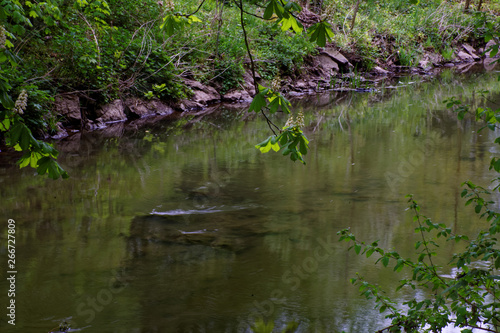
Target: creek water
{"type": "Point", "coordinates": [184, 226]}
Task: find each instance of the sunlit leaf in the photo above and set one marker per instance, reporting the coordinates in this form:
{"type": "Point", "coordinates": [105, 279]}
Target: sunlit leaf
{"type": "Point", "coordinates": [193, 19]}
{"type": "Point", "coordinates": [291, 22]}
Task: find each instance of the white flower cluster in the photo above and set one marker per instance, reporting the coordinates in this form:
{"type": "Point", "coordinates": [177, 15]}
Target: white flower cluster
{"type": "Point", "coordinates": [21, 103]}
{"type": "Point", "coordinates": [290, 121]}
{"type": "Point", "coordinates": [3, 37]}
{"type": "Point", "coordinates": [276, 84]}
{"type": "Point", "coordinates": [170, 6]}
{"type": "Point", "coordinates": [297, 122]}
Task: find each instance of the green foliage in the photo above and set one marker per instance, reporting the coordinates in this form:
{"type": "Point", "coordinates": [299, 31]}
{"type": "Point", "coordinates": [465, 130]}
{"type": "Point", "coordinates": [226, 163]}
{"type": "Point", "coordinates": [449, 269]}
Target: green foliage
{"type": "Point", "coordinates": [385, 27]}
{"type": "Point", "coordinates": [285, 51]}
{"type": "Point", "coordinates": [173, 23]}
{"type": "Point", "coordinates": [284, 10]}
{"type": "Point", "coordinates": [408, 57]}
{"type": "Point", "coordinates": [447, 53]}
{"type": "Point", "coordinates": [37, 154]}
{"type": "Point", "coordinates": [320, 32]}
{"type": "Point", "coordinates": [269, 99]}
{"type": "Point", "coordinates": [466, 300]}
{"type": "Point", "coordinates": [291, 138]}
{"type": "Point", "coordinates": [228, 74]}
{"type": "Point", "coordinates": [262, 327]}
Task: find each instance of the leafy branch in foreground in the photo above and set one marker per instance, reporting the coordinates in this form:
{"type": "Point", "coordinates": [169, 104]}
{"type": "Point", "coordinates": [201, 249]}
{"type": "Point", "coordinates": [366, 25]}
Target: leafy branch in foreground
{"type": "Point", "coordinates": [469, 300]}
{"type": "Point", "coordinates": [290, 138]}
{"type": "Point", "coordinates": [37, 154]}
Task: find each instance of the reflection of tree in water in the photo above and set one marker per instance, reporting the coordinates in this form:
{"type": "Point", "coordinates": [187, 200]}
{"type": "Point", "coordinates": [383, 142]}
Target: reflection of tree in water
{"type": "Point", "coordinates": [184, 271]}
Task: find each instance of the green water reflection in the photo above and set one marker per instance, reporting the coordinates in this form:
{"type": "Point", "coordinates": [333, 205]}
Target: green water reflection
{"type": "Point", "coordinates": [186, 227]}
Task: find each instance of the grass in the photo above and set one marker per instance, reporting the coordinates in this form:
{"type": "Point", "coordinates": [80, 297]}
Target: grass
{"type": "Point", "coordinates": [385, 27]}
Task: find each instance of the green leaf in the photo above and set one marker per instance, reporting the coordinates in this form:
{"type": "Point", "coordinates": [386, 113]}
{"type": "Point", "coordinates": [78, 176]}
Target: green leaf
{"type": "Point", "coordinates": [494, 50]}
{"type": "Point", "coordinates": [258, 102]}
{"type": "Point", "coordinates": [274, 7]}
{"type": "Point", "coordinates": [18, 29]}
{"type": "Point", "coordinates": [276, 101]}
{"type": "Point", "coordinates": [399, 266]}
{"type": "Point", "coordinates": [268, 144]}
{"type": "Point", "coordinates": [24, 160]}
{"type": "Point", "coordinates": [320, 32]}
{"type": "Point", "coordinates": [48, 149]}
{"type": "Point", "coordinates": [48, 165]}
{"type": "Point", "coordinates": [268, 13]}
{"type": "Point", "coordinates": [293, 6]}
{"type": "Point", "coordinates": [357, 248]}
{"type": "Point", "coordinates": [385, 261]}
{"type": "Point", "coordinates": [303, 145]}
{"type": "Point", "coordinates": [193, 19]}
{"type": "Point", "coordinates": [275, 147]}
{"type": "Point", "coordinates": [6, 100]}
{"type": "Point", "coordinates": [43, 165]}
{"type": "Point", "coordinates": [495, 164]}
{"type": "Point", "coordinates": [172, 23]}
{"type": "Point", "coordinates": [5, 125]}
{"type": "Point", "coordinates": [291, 22]}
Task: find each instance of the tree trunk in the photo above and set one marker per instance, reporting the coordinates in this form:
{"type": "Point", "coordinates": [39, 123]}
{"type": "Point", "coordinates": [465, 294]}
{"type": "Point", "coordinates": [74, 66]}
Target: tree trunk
{"type": "Point", "coordinates": [467, 5]}
{"type": "Point", "coordinates": [479, 5]}
{"type": "Point", "coordinates": [356, 8]}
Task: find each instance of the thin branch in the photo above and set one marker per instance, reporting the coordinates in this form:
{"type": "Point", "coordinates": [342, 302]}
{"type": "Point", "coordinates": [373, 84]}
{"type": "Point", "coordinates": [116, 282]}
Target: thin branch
{"type": "Point", "coordinates": [478, 328]}
{"type": "Point", "coordinates": [251, 14]}
{"type": "Point", "coordinates": [196, 11]}
{"type": "Point", "coordinates": [252, 65]}
{"type": "Point", "coordinates": [41, 77]}
{"type": "Point", "coordinates": [269, 122]}
{"type": "Point", "coordinates": [95, 38]}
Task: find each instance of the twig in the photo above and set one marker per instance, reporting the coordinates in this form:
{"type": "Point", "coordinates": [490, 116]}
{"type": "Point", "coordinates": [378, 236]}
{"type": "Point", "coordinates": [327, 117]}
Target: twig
{"type": "Point", "coordinates": [248, 13]}
{"type": "Point", "coordinates": [41, 77]}
{"type": "Point", "coordinates": [269, 122]}
{"type": "Point", "coordinates": [252, 65]}
{"type": "Point", "coordinates": [196, 11]}
{"type": "Point", "coordinates": [95, 38]}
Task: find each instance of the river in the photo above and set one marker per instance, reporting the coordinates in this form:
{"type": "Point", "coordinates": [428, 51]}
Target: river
{"type": "Point", "coordinates": [184, 226]}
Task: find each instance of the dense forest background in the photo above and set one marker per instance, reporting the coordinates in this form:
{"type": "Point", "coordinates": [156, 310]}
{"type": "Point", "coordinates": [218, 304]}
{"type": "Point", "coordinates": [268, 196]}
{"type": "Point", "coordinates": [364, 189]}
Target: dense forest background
{"type": "Point", "coordinates": [104, 50]}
